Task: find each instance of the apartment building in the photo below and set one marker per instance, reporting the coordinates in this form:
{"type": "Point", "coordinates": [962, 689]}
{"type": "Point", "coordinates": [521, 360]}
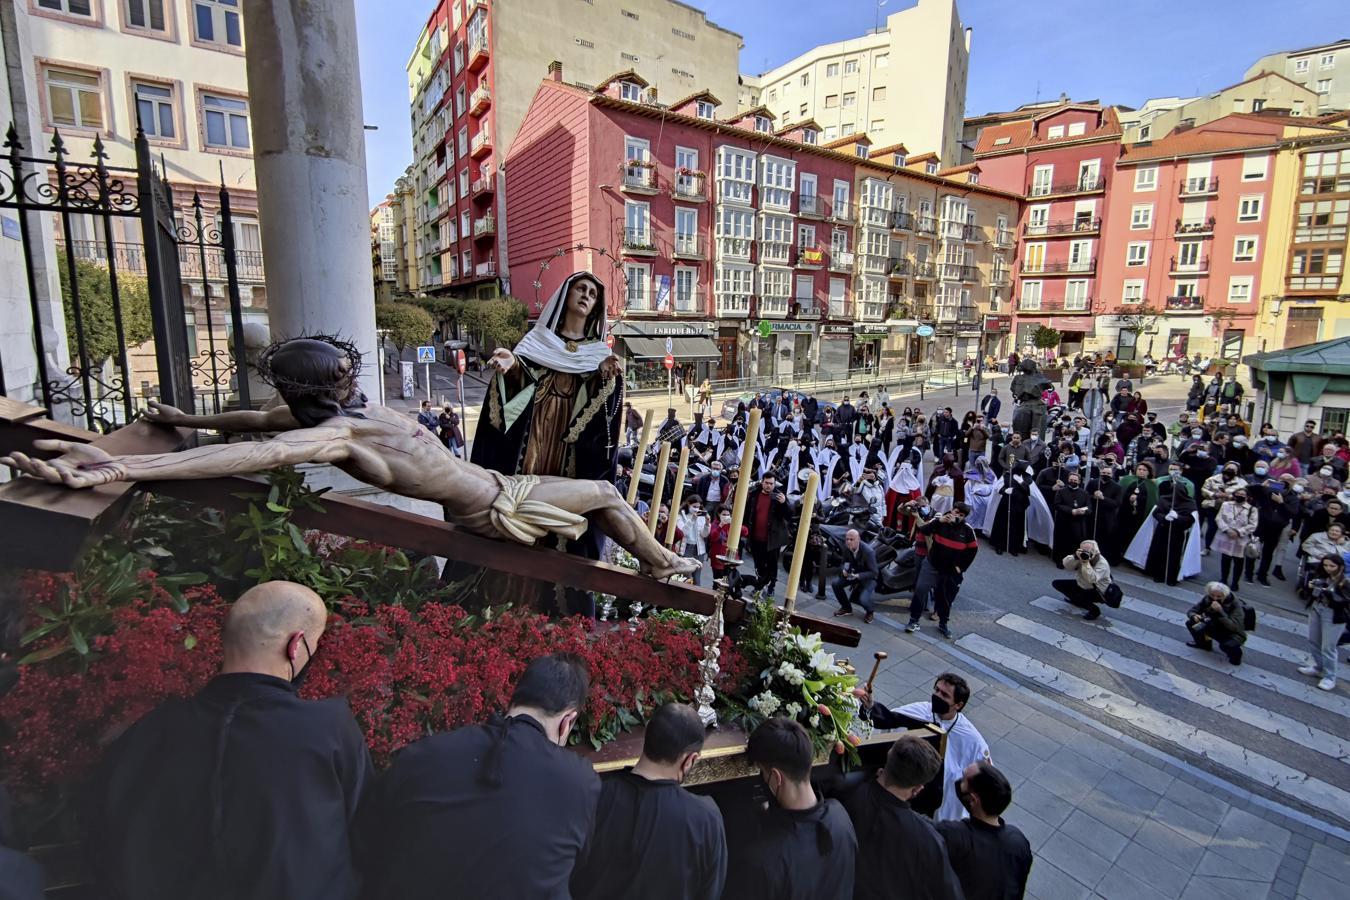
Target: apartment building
{"type": "Point", "coordinates": [1063, 160]}
{"type": "Point", "coordinates": [756, 250]}
{"type": "Point", "coordinates": [471, 76]}
{"type": "Point", "coordinates": [1267, 92]}
{"type": "Point", "coordinates": [176, 69]}
{"type": "Point", "coordinates": [1306, 287]}
{"type": "Point", "coordinates": [905, 81]}
{"type": "Point", "coordinates": [383, 250]}
{"type": "Point", "coordinates": [1324, 69]}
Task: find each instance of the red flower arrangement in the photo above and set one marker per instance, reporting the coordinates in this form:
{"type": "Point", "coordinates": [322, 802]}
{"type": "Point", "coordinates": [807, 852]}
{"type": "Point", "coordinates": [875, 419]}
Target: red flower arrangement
{"type": "Point", "coordinates": [405, 674]}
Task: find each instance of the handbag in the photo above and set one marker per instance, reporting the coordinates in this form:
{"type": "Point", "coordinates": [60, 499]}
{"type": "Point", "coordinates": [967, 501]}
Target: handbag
{"type": "Point", "coordinates": [1253, 549]}
{"type": "Point", "coordinates": [1248, 617]}
{"type": "Point", "coordinates": [1113, 595]}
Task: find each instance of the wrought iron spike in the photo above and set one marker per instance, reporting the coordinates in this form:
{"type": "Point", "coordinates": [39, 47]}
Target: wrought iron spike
{"type": "Point", "coordinates": [98, 152]}
{"type": "Point", "coordinates": [58, 145]}
{"type": "Point", "coordinates": [221, 163]}
{"type": "Point", "coordinates": [12, 138]}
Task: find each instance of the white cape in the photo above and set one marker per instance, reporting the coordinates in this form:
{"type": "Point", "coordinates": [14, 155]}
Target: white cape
{"type": "Point", "coordinates": [1040, 524]}
{"type": "Point", "coordinates": [1137, 552]}
{"type": "Point", "coordinates": [965, 745]}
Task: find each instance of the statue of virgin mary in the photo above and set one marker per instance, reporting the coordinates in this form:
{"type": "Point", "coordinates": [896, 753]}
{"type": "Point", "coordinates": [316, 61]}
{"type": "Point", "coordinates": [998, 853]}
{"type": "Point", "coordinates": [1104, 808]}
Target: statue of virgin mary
{"type": "Point", "coordinates": [555, 403]}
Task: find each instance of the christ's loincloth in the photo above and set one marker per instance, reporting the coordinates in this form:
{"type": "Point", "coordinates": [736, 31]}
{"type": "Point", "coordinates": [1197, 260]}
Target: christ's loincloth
{"type": "Point", "coordinates": [514, 516]}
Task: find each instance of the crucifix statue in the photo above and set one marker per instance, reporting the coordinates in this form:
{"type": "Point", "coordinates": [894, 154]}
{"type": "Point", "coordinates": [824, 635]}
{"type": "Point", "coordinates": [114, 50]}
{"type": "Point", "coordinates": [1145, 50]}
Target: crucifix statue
{"type": "Point", "coordinates": [326, 420]}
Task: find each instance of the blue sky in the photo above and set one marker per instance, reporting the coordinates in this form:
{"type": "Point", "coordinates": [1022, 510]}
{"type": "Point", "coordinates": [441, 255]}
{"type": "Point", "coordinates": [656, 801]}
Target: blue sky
{"type": "Point", "coordinates": [1118, 51]}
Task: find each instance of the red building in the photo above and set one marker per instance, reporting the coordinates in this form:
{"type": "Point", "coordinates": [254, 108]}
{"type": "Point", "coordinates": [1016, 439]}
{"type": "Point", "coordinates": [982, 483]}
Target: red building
{"type": "Point", "coordinates": [1063, 160]}
{"type": "Point", "coordinates": [705, 225]}
{"type": "Point", "coordinates": [1185, 237]}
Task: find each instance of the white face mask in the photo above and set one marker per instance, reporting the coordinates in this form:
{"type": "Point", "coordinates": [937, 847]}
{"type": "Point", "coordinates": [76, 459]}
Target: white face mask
{"type": "Point", "coordinates": [1325, 473]}
{"type": "Point", "coordinates": [1298, 489]}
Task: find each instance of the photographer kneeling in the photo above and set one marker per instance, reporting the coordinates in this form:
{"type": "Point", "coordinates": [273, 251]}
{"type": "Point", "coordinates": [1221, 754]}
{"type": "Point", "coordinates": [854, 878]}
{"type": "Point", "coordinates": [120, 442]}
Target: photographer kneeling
{"type": "Point", "coordinates": [1091, 581]}
{"type": "Point", "coordinates": [1217, 617]}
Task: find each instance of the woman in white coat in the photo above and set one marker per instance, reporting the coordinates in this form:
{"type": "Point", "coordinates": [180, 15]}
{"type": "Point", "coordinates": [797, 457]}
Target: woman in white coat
{"type": "Point", "coordinates": [693, 522]}
{"type": "Point", "coordinates": [1236, 522]}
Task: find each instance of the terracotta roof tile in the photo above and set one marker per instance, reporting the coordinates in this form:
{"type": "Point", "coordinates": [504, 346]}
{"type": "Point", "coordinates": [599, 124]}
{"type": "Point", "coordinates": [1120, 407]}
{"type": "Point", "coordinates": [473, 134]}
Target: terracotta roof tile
{"type": "Point", "coordinates": [625, 75]}
{"type": "Point", "coordinates": [1023, 134]}
{"type": "Point", "coordinates": [890, 149]}
{"type": "Point", "coordinates": [856, 137]}
{"type": "Point", "coordinates": [700, 95]}
{"type": "Point", "coordinates": [957, 170]}
{"type": "Point", "coordinates": [1192, 142]}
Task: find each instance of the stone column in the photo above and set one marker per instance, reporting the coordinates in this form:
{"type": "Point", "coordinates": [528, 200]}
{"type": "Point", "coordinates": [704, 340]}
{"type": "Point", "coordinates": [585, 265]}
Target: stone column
{"type": "Point", "coordinates": [309, 151]}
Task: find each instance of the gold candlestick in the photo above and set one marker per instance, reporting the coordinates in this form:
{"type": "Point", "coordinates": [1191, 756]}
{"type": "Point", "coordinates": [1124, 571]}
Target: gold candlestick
{"type": "Point", "coordinates": [659, 486]}
{"type": "Point", "coordinates": [638, 455]}
{"type": "Point", "coordinates": [799, 549]}
{"type": "Point", "coordinates": [743, 483]}
{"type": "Point", "coordinates": [677, 495]}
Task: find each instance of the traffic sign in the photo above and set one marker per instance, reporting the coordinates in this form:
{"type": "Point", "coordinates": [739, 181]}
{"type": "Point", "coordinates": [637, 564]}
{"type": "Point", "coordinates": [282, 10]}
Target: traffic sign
{"type": "Point", "coordinates": [459, 361]}
{"type": "Point", "coordinates": [670, 346]}
{"type": "Point", "coordinates": [924, 331]}
{"type": "Point", "coordinates": [670, 361]}
{"type": "Point", "coordinates": [426, 354]}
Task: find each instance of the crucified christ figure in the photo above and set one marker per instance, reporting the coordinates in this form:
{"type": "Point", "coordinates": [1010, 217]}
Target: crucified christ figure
{"type": "Point", "coordinates": [326, 420]}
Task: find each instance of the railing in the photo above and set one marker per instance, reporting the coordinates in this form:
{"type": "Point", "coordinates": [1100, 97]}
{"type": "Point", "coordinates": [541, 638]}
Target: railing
{"type": "Point", "coordinates": [959, 272]}
{"type": "Point", "coordinates": [776, 307]}
{"type": "Point", "coordinates": [1205, 227]}
{"type": "Point", "coordinates": [841, 261]}
{"type": "Point", "coordinates": [999, 278]}
{"type": "Point", "coordinates": [689, 245]}
{"type": "Point", "coordinates": [959, 315]}
{"type": "Point", "coordinates": [639, 177]}
{"type": "Point", "coordinates": [485, 225]}
{"type": "Point", "coordinates": [689, 303]}
{"type": "Point", "coordinates": [1003, 238]}
{"type": "Point", "coordinates": [638, 240]}
{"type": "Point", "coordinates": [825, 382]}
{"type": "Point", "coordinates": [839, 212]}
{"type": "Point", "coordinates": [902, 221]}
{"type": "Point", "coordinates": [485, 269]}
{"type": "Point", "coordinates": [478, 53]}
{"type": "Point", "coordinates": [1199, 265]}
{"type": "Point", "coordinates": [691, 186]}
{"type": "Point", "coordinates": [926, 224]}
{"type": "Point", "coordinates": [481, 141]}
{"type": "Point", "coordinates": [899, 267]}
{"type": "Point", "coordinates": [1078, 186]}
{"type": "Point", "coordinates": [732, 304]}
{"type": "Point", "coordinates": [1188, 303]}
{"type": "Point", "coordinates": [1199, 187]}
{"type": "Point", "coordinates": [130, 258]}
{"type": "Point", "coordinates": [805, 308]}
{"type": "Point", "coordinates": [809, 205]}
{"type": "Point", "coordinates": [1074, 226]}
{"type": "Point", "coordinates": [479, 99]}
{"type": "Point", "coordinates": [1067, 305]}
{"type": "Point", "coordinates": [1084, 267]}
{"type": "Point", "coordinates": [925, 270]}
{"type": "Point", "coordinates": [483, 184]}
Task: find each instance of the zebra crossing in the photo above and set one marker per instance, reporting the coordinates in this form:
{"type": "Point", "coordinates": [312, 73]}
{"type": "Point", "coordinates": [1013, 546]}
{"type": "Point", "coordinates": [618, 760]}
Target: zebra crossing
{"type": "Point", "coordinates": [1260, 720]}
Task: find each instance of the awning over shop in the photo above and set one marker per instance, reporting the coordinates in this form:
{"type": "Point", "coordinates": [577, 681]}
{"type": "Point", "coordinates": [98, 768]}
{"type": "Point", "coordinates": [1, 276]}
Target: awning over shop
{"type": "Point", "coordinates": [683, 348]}
{"type": "Point", "coordinates": [1312, 370]}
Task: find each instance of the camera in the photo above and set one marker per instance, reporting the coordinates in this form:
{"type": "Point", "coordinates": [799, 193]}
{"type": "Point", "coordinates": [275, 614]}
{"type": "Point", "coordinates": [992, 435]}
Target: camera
{"type": "Point", "coordinates": [1083, 555]}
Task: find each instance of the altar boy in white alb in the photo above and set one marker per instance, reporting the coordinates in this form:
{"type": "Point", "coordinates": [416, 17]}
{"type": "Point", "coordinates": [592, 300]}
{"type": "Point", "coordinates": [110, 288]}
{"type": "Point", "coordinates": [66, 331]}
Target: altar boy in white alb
{"type": "Point", "coordinates": [965, 744]}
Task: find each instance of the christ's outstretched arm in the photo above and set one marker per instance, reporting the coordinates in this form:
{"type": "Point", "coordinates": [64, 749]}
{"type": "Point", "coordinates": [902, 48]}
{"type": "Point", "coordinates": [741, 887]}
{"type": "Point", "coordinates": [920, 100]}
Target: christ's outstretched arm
{"type": "Point", "coordinates": [237, 422]}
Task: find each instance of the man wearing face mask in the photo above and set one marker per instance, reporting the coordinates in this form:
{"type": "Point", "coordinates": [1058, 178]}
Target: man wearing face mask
{"type": "Point", "coordinates": [1276, 505]}
{"type": "Point", "coordinates": [1073, 505]}
{"type": "Point", "coordinates": [494, 810]}
{"type": "Point", "coordinates": [1167, 546]}
{"type": "Point", "coordinates": [1217, 490]}
{"type": "Point", "coordinates": [899, 851]}
{"type": "Point", "coordinates": [804, 847]}
{"type": "Point", "coordinates": [237, 779]}
{"type": "Point", "coordinates": [652, 838]}
{"type": "Point", "coordinates": [965, 744]}
{"type": "Point", "coordinates": [991, 858]}
{"type": "Point", "coordinates": [1197, 464]}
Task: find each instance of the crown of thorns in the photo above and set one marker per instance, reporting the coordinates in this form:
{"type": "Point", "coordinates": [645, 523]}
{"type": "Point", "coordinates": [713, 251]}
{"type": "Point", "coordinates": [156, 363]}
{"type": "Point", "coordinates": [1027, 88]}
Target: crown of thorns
{"type": "Point", "coordinates": [265, 370]}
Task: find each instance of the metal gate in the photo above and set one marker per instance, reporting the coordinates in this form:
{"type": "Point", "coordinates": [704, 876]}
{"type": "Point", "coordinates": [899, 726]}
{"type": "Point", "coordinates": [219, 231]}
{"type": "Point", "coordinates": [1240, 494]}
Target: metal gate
{"type": "Point", "coordinates": [101, 287]}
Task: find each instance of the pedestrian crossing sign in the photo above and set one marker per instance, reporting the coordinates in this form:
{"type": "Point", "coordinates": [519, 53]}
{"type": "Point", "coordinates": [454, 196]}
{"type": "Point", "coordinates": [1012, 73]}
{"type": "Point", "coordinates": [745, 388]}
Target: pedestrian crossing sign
{"type": "Point", "coordinates": [426, 354]}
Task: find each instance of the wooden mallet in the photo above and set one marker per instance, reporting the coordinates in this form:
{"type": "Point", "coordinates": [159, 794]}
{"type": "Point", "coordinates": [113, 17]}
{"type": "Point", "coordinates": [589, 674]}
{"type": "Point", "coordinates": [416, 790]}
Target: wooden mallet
{"type": "Point", "coordinates": [876, 667]}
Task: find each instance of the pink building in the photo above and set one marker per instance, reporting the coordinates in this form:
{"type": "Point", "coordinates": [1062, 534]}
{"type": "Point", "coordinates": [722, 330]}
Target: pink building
{"type": "Point", "coordinates": [1063, 161]}
{"type": "Point", "coordinates": [697, 226]}
{"type": "Point", "coordinates": [1184, 237]}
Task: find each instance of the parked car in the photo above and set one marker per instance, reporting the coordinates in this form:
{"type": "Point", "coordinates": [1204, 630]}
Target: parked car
{"type": "Point", "coordinates": [731, 404]}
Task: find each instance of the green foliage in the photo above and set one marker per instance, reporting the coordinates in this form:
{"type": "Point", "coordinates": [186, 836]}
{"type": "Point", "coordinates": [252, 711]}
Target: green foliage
{"type": "Point", "coordinates": [96, 311]}
{"type": "Point", "coordinates": [408, 325]}
{"type": "Point", "coordinates": [492, 323]}
{"type": "Point", "coordinates": [1046, 338]}
{"type": "Point", "coordinates": [1140, 319]}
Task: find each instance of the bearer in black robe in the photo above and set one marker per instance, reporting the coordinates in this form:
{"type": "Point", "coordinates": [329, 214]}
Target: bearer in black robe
{"type": "Point", "coordinates": [1106, 496]}
{"type": "Point", "coordinates": [1173, 518]}
{"type": "Point", "coordinates": [900, 853]}
{"type": "Point", "coordinates": [803, 847]}
{"type": "Point", "coordinates": [244, 790]}
{"type": "Point", "coordinates": [1009, 531]}
{"type": "Point", "coordinates": [1073, 507]}
{"type": "Point", "coordinates": [653, 839]}
{"type": "Point", "coordinates": [500, 810]}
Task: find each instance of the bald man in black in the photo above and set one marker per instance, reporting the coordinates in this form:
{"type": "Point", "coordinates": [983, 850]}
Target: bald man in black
{"type": "Point", "coordinates": [244, 790]}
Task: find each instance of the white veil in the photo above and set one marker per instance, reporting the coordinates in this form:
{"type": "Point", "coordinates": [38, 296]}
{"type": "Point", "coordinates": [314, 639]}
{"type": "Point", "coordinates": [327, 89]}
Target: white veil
{"type": "Point", "coordinates": [543, 345]}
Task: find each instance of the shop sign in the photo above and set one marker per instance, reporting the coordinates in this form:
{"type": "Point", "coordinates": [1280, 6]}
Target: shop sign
{"type": "Point", "coordinates": [661, 329]}
{"type": "Point", "coordinates": [871, 329]}
{"type": "Point", "coordinates": [996, 324]}
{"type": "Point", "coordinates": [924, 331]}
{"type": "Point", "coordinates": [836, 329]}
{"type": "Point", "coordinates": [787, 326]}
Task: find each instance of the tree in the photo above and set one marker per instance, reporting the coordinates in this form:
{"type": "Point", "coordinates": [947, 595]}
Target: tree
{"type": "Point", "coordinates": [97, 316]}
{"type": "Point", "coordinates": [1046, 338]}
{"type": "Point", "coordinates": [491, 323]}
{"type": "Point", "coordinates": [407, 325]}
{"type": "Point", "coordinates": [1140, 320]}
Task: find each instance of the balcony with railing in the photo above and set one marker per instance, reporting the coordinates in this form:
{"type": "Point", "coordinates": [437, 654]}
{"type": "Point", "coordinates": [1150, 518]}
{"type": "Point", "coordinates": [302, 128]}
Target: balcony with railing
{"type": "Point", "coordinates": [483, 184]}
{"type": "Point", "coordinates": [478, 52]}
{"type": "Point", "coordinates": [1186, 303]}
{"type": "Point", "coordinates": [840, 212]}
{"type": "Point", "coordinates": [484, 226]}
{"type": "Point", "coordinates": [805, 308]}
{"type": "Point", "coordinates": [841, 261]}
{"type": "Point", "coordinates": [953, 314]}
{"type": "Point", "coordinates": [898, 267]}
{"type": "Point", "coordinates": [691, 186]}
{"type": "Point", "coordinates": [1076, 227]}
{"type": "Point", "coordinates": [638, 298]}
{"type": "Point", "coordinates": [129, 258]}
{"type": "Point", "coordinates": [926, 271]}
{"type": "Point", "coordinates": [480, 99]}
{"type": "Point", "coordinates": [638, 177]}
{"type": "Point", "coordinates": [1198, 187]}
{"type": "Point", "coordinates": [639, 242]}
{"type": "Point", "coordinates": [902, 221]}
{"type": "Point", "coordinates": [1003, 238]}
{"type": "Point", "coordinates": [774, 307]}
{"type": "Point", "coordinates": [1198, 266]}
{"type": "Point", "coordinates": [926, 224]}
{"type": "Point", "coordinates": [1198, 227]}
{"type": "Point", "coordinates": [481, 144]}
{"type": "Point", "coordinates": [810, 206]}
{"type": "Point", "coordinates": [1060, 267]}
{"type": "Point", "coordinates": [689, 302]}
{"type": "Point", "coordinates": [688, 246]}
{"type": "Point", "coordinates": [958, 272]}
{"type": "Point", "coordinates": [1085, 185]}
{"type": "Point", "coordinates": [808, 258]}
{"type": "Point", "coordinates": [999, 278]}
{"type": "Point", "coordinates": [1057, 305]}
{"type": "Point", "coordinates": [485, 269]}
{"type": "Point", "coordinates": [731, 304]}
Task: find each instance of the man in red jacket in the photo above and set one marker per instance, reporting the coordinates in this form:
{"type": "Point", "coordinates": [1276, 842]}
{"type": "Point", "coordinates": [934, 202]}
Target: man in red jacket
{"type": "Point", "coordinates": [951, 551]}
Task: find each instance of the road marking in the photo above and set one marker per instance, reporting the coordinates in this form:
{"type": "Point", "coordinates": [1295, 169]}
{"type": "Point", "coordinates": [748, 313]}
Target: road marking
{"type": "Point", "coordinates": [1254, 644]}
{"type": "Point", "coordinates": [1314, 792]}
{"type": "Point", "coordinates": [1288, 687]}
{"type": "Point", "coordinates": [1264, 620]}
{"type": "Point", "coordinates": [1179, 686]}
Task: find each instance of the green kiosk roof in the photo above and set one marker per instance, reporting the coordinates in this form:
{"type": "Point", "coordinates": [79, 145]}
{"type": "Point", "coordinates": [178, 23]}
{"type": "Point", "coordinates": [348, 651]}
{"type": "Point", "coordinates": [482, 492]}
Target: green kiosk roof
{"type": "Point", "coordinates": [1312, 369]}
